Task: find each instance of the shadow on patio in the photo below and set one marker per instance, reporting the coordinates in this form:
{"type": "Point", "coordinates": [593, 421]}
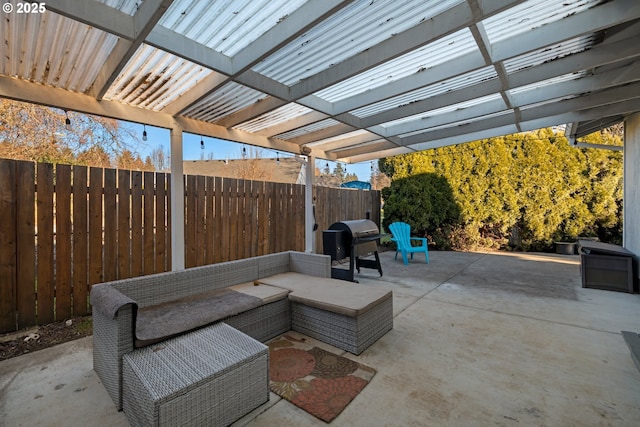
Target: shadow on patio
{"type": "Point", "coordinates": [478, 339]}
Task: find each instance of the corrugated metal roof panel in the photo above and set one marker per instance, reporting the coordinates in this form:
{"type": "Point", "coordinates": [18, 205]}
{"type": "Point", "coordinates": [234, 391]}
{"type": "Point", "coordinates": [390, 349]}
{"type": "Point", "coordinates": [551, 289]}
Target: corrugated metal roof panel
{"type": "Point", "coordinates": [272, 118]}
{"type": "Point", "coordinates": [460, 123]}
{"type": "Point", "coordinates": [456, 83]}
{"type": "Point", "coordinates": [532, 14]}
{"type": "Point", "coordinates": [559, 79]}
{"type": "Point", "coordinates": [126, 6]}
{"type": "Point", "coordinates": [308, 129]}
{"type": "Point", "coordinates": [550, 53]}
{"type": "Point", "coordinates": [227, 100]}
{"type": "Point", "coordinates": [53, 50]}
{"type": "Point", "coordinates": [153, 78]}
{"type": "Point", "coordinates": [357, 27]}
{"type": "Point", "coordinates": [447, 48]}
{"type": "Point", "coordinates": [227, 26]}
{"type": "Point", "coordinates": [444, 110]}
{"type": "Point", "coordinates": [340, 137]}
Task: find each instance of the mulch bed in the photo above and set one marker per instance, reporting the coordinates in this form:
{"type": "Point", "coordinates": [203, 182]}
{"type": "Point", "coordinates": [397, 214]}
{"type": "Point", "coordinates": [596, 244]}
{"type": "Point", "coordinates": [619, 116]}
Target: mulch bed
{"type": "Point", "coordinates": [37, 338]}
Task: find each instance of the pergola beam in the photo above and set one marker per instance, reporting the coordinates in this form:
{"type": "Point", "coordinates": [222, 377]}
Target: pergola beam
{"type": "Point", "coordinates": [591, 83]}
{"type": "Point", "coordinates": [145, 19]}
{"type": "Point", "coordinates": [595, 57]}
{"type": "Point", "coordinates": [22, 90]}
{"type": "Point", "coordinates": [304, 18]}
{"type": "Point", "coordinates": [590, 20]}
{"type": "Point", "coordinates": [294, 123]}
{"type": "Point", "coordinates": [610, 96]}
{"type": "Point", "coordinates": [251, 112]}
{"type": "Point", "coordinates": [326, 133]}
{"type": "Point", "coordinates": [95, 14]}
{"type": "Point", "coordinates": [448, 22]}
{"type": "Point", "coordinates": [188, 49]}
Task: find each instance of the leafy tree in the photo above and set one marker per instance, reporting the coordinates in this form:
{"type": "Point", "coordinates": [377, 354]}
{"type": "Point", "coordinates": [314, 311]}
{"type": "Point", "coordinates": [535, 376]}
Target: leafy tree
{"type": "Point", "coordinates": [253, 166]}
{"type": "Point", "coordinates": [379, 180]}
{"type": "Point", "coordinates": [36, 133]}
{"type": "Point", "coordinates": [338, 171]}
{"type": "Point", "coordinates": [129, 160]}
{"type": "Point", "coordinates": [160, 159]}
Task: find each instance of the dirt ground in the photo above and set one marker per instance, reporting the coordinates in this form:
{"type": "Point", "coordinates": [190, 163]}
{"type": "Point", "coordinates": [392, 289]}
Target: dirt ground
{"type": "Point", "coordinates": [33, 339]}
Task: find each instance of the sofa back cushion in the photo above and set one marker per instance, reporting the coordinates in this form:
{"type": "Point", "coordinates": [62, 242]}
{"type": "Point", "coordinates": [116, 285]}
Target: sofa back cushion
{"type": "Point", "coordinates": [160, 288]}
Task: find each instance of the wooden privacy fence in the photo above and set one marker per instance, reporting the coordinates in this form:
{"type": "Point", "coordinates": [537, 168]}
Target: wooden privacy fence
{"type": "Point", "coordinates": [64, 228]}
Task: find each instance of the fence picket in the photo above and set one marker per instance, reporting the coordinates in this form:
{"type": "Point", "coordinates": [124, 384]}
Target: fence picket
{"type": "Point", "coordinates": [124, 239]}
{"type": "Point", "coordinates": [95, 225]}
{"type": "Point", "coordinates": [80, 242]}
{"type": "Point", "coordinates": [161, 223]}
{"type": "Point", "coordinates": [210, 220]}
{"type": "Point", "coordinates": [7, 245]}
{"type": "Point", "coordinates": [63, 242]}
{"type": "Point", "coordinates": [136, 224]}
{"type": "Point", "coordinates": [110, 271]}
{"type": "Point", "coordinates": [26, 244]}
{"type": "Point", "coordinates": [148, 224]}
{"type": "Point", "coordinates": [45, 287]}
{"type": "Point", "coordinates": [218, 228]}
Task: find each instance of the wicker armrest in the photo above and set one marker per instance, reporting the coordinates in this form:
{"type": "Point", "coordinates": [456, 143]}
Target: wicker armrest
{"type": "Point", "coordinates": [108, 300]}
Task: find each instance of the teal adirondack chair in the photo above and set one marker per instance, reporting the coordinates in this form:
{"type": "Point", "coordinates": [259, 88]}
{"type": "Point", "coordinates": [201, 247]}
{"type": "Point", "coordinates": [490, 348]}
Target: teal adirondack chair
{"type": "Point", "coordinates": [402, 236]}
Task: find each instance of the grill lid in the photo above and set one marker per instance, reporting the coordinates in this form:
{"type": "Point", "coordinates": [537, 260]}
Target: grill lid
{"type": "Point", "coordinates": [357, 228]}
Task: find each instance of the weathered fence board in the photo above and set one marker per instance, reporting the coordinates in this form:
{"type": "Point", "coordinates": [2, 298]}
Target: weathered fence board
{"type": "Point", "coordinates": [110, 271]}
{"type": "Point", "coordinates": [80, 242]}
{"type": "Point", "coordinates": [63, 241]}
{"type": "Point", "coordinates": [7, 245]}
{"type": "Point", "coordinates": [136, 224]}
{"type": "Point", "coordinates": [124, 232]}
{"type": "Point", "coordinates": [95, 225]}
{"type": "Point", "coordinates": [26, 244]}
{"type": "Point", "coordinates": [162, 224]}
{"type": "Point", "coordinates": [148, 223]}
{"type": "Point", "coordinates": [45, 217]}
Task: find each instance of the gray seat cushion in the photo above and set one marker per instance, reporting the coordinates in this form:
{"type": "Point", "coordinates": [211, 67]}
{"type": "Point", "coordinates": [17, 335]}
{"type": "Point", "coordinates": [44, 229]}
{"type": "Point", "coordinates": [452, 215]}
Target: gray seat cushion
{"type": "Point", "coordinates": [337, 296]}
{"type": "Point", "coordinates": [158, 322]}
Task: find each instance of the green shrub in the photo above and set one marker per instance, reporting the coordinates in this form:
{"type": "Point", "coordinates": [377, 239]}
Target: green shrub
{"type": "Point", "coordinates": [425, 202]}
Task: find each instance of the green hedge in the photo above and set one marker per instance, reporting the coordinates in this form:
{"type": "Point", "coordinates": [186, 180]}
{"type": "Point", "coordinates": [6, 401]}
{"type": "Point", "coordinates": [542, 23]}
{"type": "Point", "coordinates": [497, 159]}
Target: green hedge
{"type": "Point", "coordinates": [521, 191]}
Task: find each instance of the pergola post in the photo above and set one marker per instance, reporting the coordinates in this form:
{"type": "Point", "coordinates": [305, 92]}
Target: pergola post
{"type": "Point", "coordinates": [177, 199]}
{"type": "Point", "coordinates": [309, 220]}
{"type": "Point", "coordinates": [631, 218]}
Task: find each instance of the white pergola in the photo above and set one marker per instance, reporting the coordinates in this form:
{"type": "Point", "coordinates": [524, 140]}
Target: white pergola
{"type": "Point", "coordinates": [347, 81]}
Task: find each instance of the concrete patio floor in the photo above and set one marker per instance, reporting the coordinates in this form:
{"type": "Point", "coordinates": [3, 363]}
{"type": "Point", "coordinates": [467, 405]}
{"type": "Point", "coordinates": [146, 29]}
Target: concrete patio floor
{"type": "Point", "coordinates": [478, 339]}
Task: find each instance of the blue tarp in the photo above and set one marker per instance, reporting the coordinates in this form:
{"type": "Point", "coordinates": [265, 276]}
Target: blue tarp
{"type": "Point", "coordinates": [356, 184]}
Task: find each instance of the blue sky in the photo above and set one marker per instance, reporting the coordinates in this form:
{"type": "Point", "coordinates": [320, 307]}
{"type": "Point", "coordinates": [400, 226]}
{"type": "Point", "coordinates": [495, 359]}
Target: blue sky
{"type": "Point", "coordinates": [221, 149]}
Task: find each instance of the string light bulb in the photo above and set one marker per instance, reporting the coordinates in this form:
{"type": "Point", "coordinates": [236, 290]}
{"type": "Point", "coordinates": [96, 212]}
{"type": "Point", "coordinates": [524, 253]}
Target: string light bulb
{"type": "Point", "coordinates": [201, 143]}
{"type": "Point", "coordinates": [67, 120]}
{"type": "Point", "coordinates": [277, 157]}
{"type": "Point", "coordinates": [244, 152]}
{"type": "Point", "coordinates": [144, 132]}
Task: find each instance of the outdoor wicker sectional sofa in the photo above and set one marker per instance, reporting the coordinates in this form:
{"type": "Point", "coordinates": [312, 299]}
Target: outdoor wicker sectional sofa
{"type": "Point", "coordinates": [147, 329]}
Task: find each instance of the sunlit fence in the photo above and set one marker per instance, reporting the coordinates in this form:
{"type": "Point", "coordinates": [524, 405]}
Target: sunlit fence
{"type": "Point", "coordinates": [64, 228]}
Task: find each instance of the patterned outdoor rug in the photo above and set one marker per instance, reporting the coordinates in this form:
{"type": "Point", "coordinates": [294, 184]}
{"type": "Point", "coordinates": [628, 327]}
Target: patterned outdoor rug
{"type": "Point", "coordinates": [314, 379]}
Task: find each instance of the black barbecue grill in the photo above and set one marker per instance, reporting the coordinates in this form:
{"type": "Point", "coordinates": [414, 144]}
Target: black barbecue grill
{"type": "Point", "coordinates": [352, 239]}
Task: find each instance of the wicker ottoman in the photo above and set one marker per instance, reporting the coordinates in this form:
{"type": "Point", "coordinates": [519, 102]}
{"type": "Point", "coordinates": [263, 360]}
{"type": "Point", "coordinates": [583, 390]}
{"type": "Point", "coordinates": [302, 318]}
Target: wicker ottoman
{"type": "Point", "coordinates": [209, 377]}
